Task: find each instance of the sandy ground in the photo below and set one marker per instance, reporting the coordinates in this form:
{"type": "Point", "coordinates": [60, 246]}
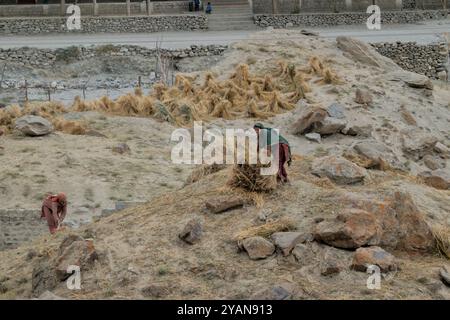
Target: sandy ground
{"type": "Point", "coordinates": [139, 246]}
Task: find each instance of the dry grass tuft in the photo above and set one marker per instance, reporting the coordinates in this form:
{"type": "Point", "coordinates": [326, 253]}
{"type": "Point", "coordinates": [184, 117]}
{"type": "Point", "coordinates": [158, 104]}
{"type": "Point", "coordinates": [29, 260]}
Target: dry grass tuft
{"type": "Point", "coordinates": [442, 236]}
{"type": "Point", "coordinates": [70, 127]}
{"type": "Point", "coordinates": [202, 171]}
{"type": "Point", "coordinates": [265, 230]}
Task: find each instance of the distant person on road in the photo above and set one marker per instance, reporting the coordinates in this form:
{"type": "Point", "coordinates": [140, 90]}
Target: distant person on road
{"type": "Point", "coordinates": [208, 8]}
{"type": "Point", "coordinates": [197, 5]}
{"type": "Point", "coordinates": [54, 209]}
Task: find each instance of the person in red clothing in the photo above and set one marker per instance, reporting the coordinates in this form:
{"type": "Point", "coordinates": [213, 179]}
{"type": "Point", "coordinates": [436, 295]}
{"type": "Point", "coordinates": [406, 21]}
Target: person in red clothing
{"type": "Point", "coordinates": [54, 209]}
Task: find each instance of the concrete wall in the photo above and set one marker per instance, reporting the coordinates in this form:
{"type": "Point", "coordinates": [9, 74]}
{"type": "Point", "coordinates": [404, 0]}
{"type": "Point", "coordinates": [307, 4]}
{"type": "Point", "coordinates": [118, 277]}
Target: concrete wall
{"type": "Point", "coordinates": [137, 8]}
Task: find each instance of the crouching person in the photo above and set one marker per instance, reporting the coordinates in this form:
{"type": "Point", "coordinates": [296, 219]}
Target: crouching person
{"type": "Point", "coordinates": [54, 209]}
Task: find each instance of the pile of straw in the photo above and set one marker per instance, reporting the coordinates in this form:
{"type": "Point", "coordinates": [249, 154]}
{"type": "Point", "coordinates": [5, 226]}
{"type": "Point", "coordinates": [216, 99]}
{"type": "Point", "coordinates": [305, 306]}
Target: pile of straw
{"type": "Point", "coordinates": [248, 177]}
{"type": "Point", "coordinates": [241, 95]}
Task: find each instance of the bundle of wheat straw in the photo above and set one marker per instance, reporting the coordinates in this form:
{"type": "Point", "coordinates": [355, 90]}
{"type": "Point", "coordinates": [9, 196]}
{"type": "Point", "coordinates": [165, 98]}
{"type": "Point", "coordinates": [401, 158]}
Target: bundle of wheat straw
{"type": "Point", "coordinates": [249, 177]}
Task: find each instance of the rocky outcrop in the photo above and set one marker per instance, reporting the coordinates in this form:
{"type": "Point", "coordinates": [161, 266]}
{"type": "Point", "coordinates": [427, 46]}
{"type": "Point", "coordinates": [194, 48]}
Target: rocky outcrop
{"type": "Point", "coordinates": [412, 79]}
{"type": "Point", "coordinates": [372, 154]}
{"type": "Point", "coordinates": [362, 52]}
{"type": "Point", "coordinates": [323, 121]}
{"type": "Point", "coordinates": [352, 228]}
{"type": "Point", "coordinates": [79, 252]}
{"type": "Point", "coordinates": [392, 222]}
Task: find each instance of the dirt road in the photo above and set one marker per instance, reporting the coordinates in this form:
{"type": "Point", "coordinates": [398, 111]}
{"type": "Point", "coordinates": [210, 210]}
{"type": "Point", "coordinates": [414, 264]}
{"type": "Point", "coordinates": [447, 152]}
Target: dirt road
{"type": "Point", "coordinates": [423, 33]}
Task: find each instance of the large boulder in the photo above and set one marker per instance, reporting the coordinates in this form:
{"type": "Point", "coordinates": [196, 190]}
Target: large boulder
{"type": "Point", "coordinates": [338, 169]}
{"type": "Point", "coordinates": [439, 179]}
{"type": "Point", "coordinates": [360, 51]}
{"type": "Point", "coordinates": [364, 257]}
{"type": "Point", "coordinates": [372, 154]}
{"type": "Point", "coordinates": [398, 224]}
{"type": "Point", "coordinates": [414, 80]}
{"type": "Point", "coordinates": [258, 247]}
{"type": "Point", "coordinates": [34, 126]}
{"type": "Point", "coordinates": [330, 125]}
{"type": "Point", "coordinates": [309, 119]}
{"type": "Point", "coordinates": [351, 229]}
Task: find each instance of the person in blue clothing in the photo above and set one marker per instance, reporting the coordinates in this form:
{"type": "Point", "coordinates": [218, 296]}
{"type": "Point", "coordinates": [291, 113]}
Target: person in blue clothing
{"type": "Point", "coordinates": [208, 8]}
{"type": "Point", "coordinates": [197, 5]}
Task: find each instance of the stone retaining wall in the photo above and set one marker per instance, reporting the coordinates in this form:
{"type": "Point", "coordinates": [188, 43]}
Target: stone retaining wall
{"type": "Point", "coordinates": [47, 58]}
{"type": "Point", "coordinates": [153, 23]}
{"type": "Point", "coordinates": [430, 60]}
{"type": "Point", "coordinates": [332, 19]}
{"type": "Point", "coordinates": [136, 8]}
{"type": "Point", "coordinates": [20, 226]}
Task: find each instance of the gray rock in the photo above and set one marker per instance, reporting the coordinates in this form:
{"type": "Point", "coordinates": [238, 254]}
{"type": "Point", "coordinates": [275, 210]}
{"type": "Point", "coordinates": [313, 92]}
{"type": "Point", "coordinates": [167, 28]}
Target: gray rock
{"type": "Point", "coordinates": [192, 231]}
{"type": "Point", "coordinates": [365, 257]}
{"type": "Point", "coordinates": [313, 137]}
{"type": "Point", "coordinates": [258, 247]}
{"type": "Point", "coordinates": [338, 169]}
{"type": "Point", "coordinates": [34, 126]}
{"type": "Point", "coordinates": [412, 79]}
{"type": "Point", "coordinates": [364, 53]}
{"type": "Point", "coordinates": [433, 163]}
{"type": "Point", "coordinates": [335, 110]}
{"type": "Point", "coordinates": [286, 241]}
{"type": "Point", "coordinates": [330, 125]}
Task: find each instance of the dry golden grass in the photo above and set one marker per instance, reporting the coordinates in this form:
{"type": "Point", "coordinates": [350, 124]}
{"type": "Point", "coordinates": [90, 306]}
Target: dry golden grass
{"type": "Point", "coordinates": [202, 171]}
{"type": "Point", "coordinates": [248, 177]}
{"type": "Point", "coordinates": [242, 95]}
{"type": "Point", "coordinates": [441, 234]}
{"type": "Point", "coordinates": [266, 229]}
{"type": "Point", "coordinates": [52, 111]}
